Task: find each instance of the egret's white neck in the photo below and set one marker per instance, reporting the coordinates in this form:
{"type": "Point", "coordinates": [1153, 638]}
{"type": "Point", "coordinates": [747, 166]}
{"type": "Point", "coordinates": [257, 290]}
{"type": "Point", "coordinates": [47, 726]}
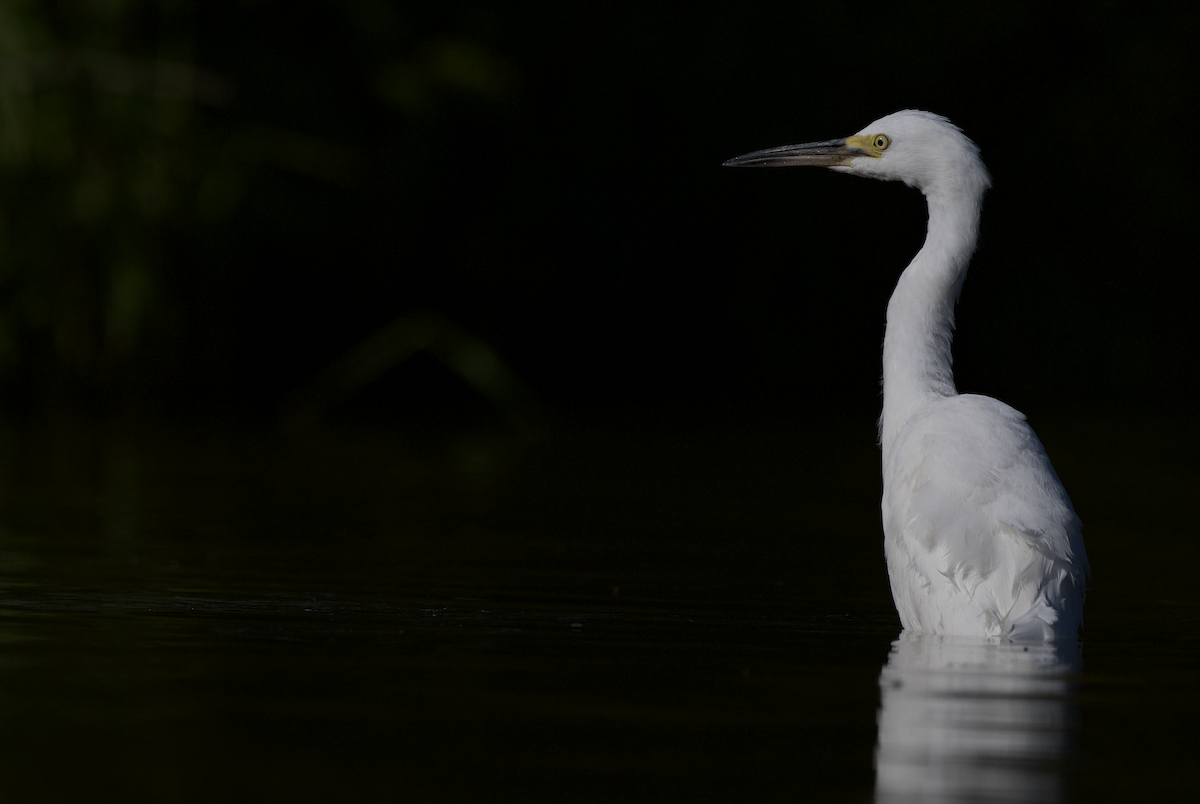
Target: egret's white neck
{"type": "Point", "coordinates": [920, 315]}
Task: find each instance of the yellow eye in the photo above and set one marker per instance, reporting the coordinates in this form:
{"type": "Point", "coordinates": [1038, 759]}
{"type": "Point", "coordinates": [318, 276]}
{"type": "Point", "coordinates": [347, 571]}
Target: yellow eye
{"type": "Point", "coordinates": [881, 142]}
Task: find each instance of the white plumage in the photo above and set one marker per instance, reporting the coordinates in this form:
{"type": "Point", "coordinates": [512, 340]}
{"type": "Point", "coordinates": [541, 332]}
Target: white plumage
{"type": "Point", "coordinates": [979, 534]}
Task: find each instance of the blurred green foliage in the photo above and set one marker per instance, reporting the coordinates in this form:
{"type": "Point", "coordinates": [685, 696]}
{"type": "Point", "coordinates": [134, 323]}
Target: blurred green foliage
{"type": "Point", "coordinates": [101, 170]}
{"type": "Point", "coordinates": [213, 203]}
{"type": "Point", "coordinates": [120, 155]}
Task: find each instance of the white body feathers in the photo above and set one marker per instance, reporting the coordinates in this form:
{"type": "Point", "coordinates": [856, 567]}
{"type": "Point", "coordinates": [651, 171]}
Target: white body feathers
{"type": "Point", "coordinates": [979, 534]}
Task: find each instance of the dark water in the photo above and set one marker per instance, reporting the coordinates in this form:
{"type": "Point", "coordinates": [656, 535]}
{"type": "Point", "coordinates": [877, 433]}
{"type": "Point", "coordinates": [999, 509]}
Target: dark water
{"type": "Point", "coordinates": [601, 614]}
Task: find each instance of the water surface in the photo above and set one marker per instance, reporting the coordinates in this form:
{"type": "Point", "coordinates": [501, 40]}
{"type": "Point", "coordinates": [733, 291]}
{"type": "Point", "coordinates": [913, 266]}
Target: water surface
{"type": "Point", "coordinates": [600, 614]}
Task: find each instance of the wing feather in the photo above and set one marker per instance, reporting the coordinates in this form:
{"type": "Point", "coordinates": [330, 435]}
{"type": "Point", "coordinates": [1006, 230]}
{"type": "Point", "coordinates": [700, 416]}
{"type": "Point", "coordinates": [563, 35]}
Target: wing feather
{"type": "Point", "coordinates": [979, 532]}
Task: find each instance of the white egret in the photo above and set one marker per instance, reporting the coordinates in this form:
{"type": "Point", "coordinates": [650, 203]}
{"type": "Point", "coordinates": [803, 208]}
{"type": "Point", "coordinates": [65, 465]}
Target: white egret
{"type": "Point", "coordinates": [979, 534]}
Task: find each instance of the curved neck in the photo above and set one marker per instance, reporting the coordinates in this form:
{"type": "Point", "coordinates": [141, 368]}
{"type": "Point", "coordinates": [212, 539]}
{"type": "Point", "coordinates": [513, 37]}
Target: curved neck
{"type": "Point", "coordinates": [920, 315]}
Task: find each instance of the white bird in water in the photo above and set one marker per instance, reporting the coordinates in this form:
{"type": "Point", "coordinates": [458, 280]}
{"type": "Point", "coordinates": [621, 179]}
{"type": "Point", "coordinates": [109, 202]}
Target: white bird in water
{"type": "Point", "coordinates": [981, 538]}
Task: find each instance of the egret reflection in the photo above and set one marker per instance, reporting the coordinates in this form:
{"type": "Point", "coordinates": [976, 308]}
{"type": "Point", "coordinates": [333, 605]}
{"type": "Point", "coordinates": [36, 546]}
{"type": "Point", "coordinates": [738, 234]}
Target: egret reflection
{"type": "Point", "coordinates": [974, 719]}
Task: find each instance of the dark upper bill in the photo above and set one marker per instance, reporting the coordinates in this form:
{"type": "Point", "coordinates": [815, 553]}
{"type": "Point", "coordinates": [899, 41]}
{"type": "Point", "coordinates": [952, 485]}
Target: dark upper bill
{"type": "Point", "coordinates": [830, 153]}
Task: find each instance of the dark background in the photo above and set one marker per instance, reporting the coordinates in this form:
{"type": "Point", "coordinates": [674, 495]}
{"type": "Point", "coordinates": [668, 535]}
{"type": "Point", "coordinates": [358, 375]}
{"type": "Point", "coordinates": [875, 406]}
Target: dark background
{"type": "Point", "coordinates": [388, 390]}
{"type": "Point", "coordinates": [207, 205]}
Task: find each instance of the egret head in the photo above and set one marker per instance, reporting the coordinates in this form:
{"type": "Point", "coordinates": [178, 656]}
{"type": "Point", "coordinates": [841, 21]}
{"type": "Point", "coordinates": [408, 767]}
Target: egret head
{"type": "Point", "coordinates": [921, 149]}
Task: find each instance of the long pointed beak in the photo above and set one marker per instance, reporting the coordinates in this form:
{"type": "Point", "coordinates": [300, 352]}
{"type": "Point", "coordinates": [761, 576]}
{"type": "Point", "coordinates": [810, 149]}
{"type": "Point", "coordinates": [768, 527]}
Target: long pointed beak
{"type": "Point", "coordinates": [830, 153]}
